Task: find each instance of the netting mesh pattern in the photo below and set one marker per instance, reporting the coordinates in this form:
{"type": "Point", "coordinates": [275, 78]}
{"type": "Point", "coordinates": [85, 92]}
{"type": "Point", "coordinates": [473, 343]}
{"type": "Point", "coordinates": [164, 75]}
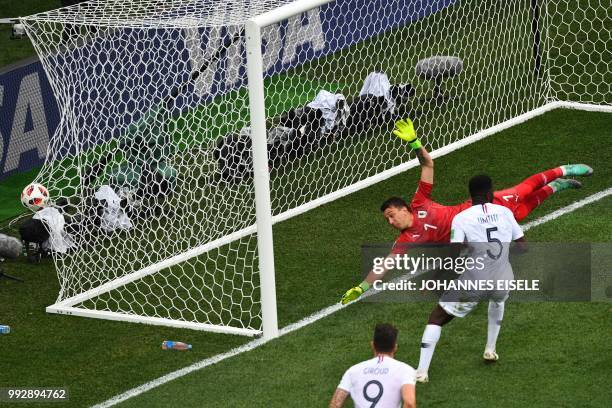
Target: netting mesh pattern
{"type": "Point", "coordinates": [159, 13]}
{"type": "Point", "coordinates": [577, 38]}
{"type": "Point", "coordinates": [136, 119]}
{"type": "Point", "coordinates": [154, 103]}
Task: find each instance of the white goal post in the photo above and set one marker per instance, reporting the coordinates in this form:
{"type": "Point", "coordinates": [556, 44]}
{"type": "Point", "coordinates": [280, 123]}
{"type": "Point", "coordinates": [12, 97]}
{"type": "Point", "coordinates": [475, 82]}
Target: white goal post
{"type": "Point", "coordinates": [213, 121]}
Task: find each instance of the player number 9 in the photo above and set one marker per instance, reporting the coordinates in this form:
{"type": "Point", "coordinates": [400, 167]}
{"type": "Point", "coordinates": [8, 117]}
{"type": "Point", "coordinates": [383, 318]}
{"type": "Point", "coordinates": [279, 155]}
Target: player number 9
{"type": "Point", "coordinates": [374, 400]}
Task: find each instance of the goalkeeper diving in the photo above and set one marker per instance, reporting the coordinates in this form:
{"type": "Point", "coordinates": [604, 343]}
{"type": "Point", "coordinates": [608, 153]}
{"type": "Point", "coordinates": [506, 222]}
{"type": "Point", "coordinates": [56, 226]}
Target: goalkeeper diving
{"type": "Point", "coordinates": [426, 221]}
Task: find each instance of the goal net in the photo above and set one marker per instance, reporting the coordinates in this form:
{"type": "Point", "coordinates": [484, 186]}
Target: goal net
{"type": "Point", "coordinates": [152, 163]}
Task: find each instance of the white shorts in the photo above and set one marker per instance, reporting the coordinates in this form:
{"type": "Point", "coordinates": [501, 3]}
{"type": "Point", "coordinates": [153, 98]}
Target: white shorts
{"type": "Point", "coordinates": [458, 309]}
{"type": "Point", "coordinates": [461, 302]}
{"type": "Point", "coordinates": [462, 309]}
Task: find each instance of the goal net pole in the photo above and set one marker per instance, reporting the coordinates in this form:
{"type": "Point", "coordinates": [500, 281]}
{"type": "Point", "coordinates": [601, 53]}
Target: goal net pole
{"type": "Point", "coordinates": [261, 174]}
{"type": "Point", "coordinates": [261, 178]}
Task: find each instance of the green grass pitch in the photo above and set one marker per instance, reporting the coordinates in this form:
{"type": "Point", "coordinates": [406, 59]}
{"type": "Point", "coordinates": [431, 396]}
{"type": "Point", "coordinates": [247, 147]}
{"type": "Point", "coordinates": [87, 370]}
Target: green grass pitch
{"type": "Point", "coordinates": [552, 353]}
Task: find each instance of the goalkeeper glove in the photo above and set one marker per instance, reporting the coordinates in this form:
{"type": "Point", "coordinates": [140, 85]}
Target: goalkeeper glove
{"type": "Point", "coordinates": [404, 129]}
{"type": "Point", "coordinates": [354, 293]}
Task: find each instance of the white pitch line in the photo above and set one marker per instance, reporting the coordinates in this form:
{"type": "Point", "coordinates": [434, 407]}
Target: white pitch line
{"type": "Point", "coordinates": [572, 207]}
{"type": "Point", "coordinates": [309, 319]}
{"type": "Point", "coordinates": [219, 357]}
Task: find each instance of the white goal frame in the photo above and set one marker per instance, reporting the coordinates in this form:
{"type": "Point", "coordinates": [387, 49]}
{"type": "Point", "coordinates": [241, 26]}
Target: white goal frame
{"type": "Point", "coordinates": [265, 219]}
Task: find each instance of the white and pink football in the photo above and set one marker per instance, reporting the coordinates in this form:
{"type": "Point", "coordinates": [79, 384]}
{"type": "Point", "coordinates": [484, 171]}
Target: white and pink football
{"type": "Point", "coordinates": [35, 196]}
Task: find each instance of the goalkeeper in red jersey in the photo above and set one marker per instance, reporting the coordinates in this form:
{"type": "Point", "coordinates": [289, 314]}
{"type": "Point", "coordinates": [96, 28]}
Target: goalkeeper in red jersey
{"type": "Point", "coordinates": [425, 221]}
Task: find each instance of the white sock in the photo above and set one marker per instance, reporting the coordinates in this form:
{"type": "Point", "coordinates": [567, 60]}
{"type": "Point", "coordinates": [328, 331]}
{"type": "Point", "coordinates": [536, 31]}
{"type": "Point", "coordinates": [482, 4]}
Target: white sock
{"type": "Point", "coordinates": [496, 314]}
{"type": "Point", "coordinates": [431, 335]}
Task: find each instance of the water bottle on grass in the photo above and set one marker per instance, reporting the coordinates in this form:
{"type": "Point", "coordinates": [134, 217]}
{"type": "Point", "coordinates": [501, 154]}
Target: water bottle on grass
{"type": "Point", "coordinates": [175, 345]}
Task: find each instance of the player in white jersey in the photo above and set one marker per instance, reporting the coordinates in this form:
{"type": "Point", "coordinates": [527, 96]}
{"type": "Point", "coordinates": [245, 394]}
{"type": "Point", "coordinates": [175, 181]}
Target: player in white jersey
{"type": "Point", "coordinates": [487, 230]}
{"type": "Point", "coordinates": [382, 381]}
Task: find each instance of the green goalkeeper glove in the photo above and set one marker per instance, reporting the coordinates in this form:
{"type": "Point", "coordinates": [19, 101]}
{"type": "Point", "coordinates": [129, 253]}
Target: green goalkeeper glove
{"type": "Point", "coordinates": [404, 129]}
{"type": "Point", "coordinates": [354, 293]}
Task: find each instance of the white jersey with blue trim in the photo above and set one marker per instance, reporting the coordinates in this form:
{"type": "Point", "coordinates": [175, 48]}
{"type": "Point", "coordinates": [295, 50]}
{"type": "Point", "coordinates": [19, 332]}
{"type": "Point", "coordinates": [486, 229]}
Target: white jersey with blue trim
{"type": "Point", "coordinates": [488, 229]}
{"type": "Point", "coordinates": [378, 380]}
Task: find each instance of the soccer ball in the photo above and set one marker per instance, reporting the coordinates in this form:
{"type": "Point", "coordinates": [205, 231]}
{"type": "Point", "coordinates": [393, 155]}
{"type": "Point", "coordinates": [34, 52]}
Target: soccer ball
{"type": "Point", "coordinates": [35, 197]}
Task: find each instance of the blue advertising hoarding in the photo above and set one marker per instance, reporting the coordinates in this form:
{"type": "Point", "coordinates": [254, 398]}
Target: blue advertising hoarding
{"type": "Point", "coordinates": [29, 112]}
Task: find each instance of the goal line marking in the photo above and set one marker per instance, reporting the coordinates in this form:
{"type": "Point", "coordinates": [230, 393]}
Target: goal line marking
{"type": "Point", "coordinates": [311, 318]}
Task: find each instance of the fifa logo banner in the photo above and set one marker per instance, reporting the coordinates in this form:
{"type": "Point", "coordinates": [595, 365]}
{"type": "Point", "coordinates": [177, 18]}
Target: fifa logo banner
{"type": "Point", "coordinates": [314, 34]}
{"type": "Point", "coordinates": [29, 112]}
{"type": "Point", "coordinates": [28, 117]}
